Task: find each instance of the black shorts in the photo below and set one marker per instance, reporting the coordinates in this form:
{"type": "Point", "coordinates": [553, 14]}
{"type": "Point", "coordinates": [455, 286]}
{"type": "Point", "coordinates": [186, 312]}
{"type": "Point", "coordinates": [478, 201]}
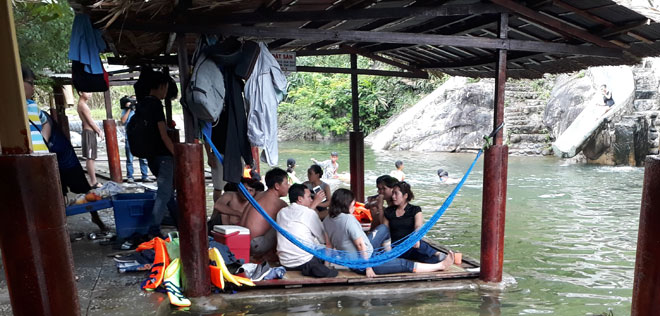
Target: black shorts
{"type": "Point", "coordinates": [74, 180]}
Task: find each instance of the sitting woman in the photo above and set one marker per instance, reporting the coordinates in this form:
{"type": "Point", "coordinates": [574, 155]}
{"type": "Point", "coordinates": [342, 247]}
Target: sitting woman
{"type": "Point", "coordinates": [345, 233]}
{"type": "Point", "coordinates": [376, 203]}
{"type": "Point", "coordinates": [403, 218]}
{"type": "Point", "coordinates": [314, 184]}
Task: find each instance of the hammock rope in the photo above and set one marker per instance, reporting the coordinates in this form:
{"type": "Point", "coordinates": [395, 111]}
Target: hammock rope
{"type": "Point", "coordinates": [345, 258]}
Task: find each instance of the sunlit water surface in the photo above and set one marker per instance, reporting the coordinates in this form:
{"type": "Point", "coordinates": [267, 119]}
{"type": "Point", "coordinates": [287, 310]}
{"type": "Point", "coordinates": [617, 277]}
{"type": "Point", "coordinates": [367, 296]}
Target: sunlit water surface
{"type": "Point", "coordinates": [570, 240]}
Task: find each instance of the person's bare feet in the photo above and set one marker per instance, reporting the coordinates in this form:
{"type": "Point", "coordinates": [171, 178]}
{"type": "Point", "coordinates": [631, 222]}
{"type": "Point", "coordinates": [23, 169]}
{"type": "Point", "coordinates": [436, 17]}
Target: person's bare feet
{"type": "Point", "coordinates": [448, 261]}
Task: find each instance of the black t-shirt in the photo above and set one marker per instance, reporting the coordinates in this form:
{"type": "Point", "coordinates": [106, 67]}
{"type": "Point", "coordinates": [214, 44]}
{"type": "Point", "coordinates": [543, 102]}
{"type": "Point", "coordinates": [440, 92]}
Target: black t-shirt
{"type": "Point", "coordinates": [152, 110]}
{"type": "Point", "coordinates": [401, 226]}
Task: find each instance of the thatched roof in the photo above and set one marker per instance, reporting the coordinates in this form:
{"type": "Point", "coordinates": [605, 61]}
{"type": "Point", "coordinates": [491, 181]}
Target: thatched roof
{"type": "Point", "coordinates": [457, 37]}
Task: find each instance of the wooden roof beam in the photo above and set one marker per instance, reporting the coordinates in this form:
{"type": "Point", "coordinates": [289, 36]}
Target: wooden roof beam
{"type": "Point", "coordinates": [356, 14]}
{"type": "Point", "coordinates": [380, 37]}
{"type": "Point", "coordinates": [482, 61]}
{"type": "Point", "coordinates": [372, 72]}
{"type": "Point", "coordinates": [597, 19]}
{"type": "Point", "coordinates": [563, 28]}
{"type": "Point", "coordinates": [366, 53]}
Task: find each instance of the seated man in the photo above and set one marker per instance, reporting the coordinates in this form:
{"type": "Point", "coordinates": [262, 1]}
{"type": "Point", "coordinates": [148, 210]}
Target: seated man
{"type": "Point", "coordinates": [304, 224]}
{"type": "Point", "coordinates": [228, 209]}
{"type": "Point", "coordinates": [262, 235]}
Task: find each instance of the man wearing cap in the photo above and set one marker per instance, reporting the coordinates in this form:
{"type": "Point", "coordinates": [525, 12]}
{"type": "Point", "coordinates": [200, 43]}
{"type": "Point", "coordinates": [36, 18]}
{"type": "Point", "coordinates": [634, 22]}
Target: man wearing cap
{"type": "Point", "coordinates": [443, 175]}
{"type": "Point", "coordinates": [329, 166]}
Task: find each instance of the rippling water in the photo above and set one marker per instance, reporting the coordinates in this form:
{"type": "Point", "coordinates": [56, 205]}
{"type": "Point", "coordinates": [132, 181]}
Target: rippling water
{"type": "Point", "coordinates": [571, 232]}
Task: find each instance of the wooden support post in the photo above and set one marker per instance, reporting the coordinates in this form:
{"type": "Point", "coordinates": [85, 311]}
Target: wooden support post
{"type": "Point", "coordinates": [112, 146]}
{"type": "Point", "coordinates": [14, 130]}
{"type": "Point", "coordinates": [495, 179]}
{"type": "Point", "coordinates": [193, 238]}
{"type": "Point", "coordinates": [356, 138]}
{"type": "Point", "coordinates": [36, 251]}
{"type": "Point", "coordinates": [60, 107]}
{"type": "Point", "coordinates": [184, 73]}
{"type": "Point", "coordinates": [646, 297]}
{"type": "Point", "coordinates": [108, 105]}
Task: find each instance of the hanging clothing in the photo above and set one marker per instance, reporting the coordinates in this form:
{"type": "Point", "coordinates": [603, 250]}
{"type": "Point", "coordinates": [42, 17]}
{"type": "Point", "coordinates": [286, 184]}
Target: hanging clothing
{"type": "Point", "coordinates": [86, 44]}
{"type": "Point", "coordinates": [229, 135]}
{"type": "Point", "coordinates": [264, 90]}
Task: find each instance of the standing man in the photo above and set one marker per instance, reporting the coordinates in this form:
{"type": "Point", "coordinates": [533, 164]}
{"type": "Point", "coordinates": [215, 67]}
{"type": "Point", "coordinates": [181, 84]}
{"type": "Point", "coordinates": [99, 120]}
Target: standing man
{"type": "Point", "coordinates": [329, 166]}
{"type": "Point", "coordinates": [89, 132]}
{"type": "Point", "coordinates": [127, 106]}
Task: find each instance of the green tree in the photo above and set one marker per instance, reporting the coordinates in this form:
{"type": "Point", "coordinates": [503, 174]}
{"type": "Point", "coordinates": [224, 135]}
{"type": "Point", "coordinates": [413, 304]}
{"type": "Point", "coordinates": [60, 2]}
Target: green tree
{"type": "Point", "coordinates": [320, 104]}
{"type": "Point", "coordinates": [43, 30]}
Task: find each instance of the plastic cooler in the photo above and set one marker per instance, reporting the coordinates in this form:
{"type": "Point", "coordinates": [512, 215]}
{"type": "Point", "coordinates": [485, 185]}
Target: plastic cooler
{"type": "Point", "coordinates": [133, 213]}
{"type": "Point", "coordinates": [237, 238]}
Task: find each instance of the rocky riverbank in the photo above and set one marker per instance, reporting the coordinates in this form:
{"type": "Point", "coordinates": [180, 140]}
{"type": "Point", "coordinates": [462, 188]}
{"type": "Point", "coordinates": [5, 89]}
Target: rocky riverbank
{"type": "Point", "coordinates": [537, 112]}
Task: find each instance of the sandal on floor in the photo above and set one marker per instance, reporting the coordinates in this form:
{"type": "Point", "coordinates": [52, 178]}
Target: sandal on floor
{"type": "Point", "coordinates": [96, 185]}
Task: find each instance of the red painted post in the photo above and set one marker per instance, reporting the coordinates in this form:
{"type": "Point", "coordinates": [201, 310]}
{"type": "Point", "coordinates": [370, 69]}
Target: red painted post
{"type": "Point", "coordinates": [493, 213]}
{"type": "Point", "coordinates": [646, 293]}
{"type": "Point", "coordinates": [493, 207]}
{"type": "Point", "coordinates": [114, 162]}
{"type": "Point", "coordinates": [36, 252]}
{"type": "Point", "coordinates": [194, 242]}
{"type": "Point", "coordinates": [356, 139]}
{"type": "Point", "coordinates": [356, 148]}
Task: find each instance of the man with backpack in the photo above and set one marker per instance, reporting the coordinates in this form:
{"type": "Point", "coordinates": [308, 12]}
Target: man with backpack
{"type": "Point", "coordinates": [147, 134]}
{"type": "Point", "coordinates": [128, 106]}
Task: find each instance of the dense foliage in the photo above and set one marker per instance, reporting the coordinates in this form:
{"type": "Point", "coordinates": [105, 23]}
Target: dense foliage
{"type": "Point", "coordinates": [43, 30]}
{"type": "Point", "coordinates": [319, 105]}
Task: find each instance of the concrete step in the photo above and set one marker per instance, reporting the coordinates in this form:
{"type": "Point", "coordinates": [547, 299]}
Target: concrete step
{"type": "Point", "coordinates": [645, 94]}
{"type": "Point", "coordinates": [646, 105]}
{"type": "Point", "coordinates": [528, 138]}
{"type": "Point", "coordinates": [528, 129]}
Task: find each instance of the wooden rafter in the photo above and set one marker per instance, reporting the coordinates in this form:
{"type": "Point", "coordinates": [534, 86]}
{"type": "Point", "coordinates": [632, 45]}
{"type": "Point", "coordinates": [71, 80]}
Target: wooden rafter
{"type": "Point", "coordinates": [555, 24]}
{"type": "Point", "coordinates": [597, 19]}
{"type": "Point", "coordinates": [353, 14]}
{"type": "Point", "coordinates": [381, 37]}
{"type": "Point", "coordinates": [382, 59]}
{"type": "Point", "coordinates": [405, 74]}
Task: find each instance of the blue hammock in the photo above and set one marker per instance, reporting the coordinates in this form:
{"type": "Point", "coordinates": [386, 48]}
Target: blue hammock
{"type": "Point", "coordinates": [346, 258]}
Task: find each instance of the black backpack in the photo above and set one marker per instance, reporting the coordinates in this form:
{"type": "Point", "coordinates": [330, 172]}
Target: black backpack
{"type": "Point", "coordinates": [142, 136]}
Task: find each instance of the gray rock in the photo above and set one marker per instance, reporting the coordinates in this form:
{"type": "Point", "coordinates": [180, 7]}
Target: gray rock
{"type": "Point", "coordinates": [452, 118]}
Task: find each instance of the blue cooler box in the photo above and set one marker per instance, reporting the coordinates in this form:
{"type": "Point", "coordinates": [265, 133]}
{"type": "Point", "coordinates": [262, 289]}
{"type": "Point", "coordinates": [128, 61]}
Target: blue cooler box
{"type": "Point", "coordinates": [133, 213]}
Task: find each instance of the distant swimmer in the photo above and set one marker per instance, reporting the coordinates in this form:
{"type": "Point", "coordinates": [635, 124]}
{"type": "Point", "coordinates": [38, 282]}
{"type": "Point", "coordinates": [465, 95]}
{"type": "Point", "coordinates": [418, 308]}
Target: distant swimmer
{"type": "Point", "coordinates": [443, 175]}
{"type": "Point", "coordinates": [329, 166]}
{"type": "Point", "coordinates": [398, 172]}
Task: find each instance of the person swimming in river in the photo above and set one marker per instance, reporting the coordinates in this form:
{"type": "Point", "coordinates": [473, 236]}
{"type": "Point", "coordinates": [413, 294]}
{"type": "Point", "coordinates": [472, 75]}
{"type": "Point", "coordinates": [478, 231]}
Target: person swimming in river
{"type": "Point", "coordinates": [444, 178]}
{"type": "Point", "coordinates": [329, 166]}
{"type": "Point", "coordinates": [290, 170]}
{"type": "Point", "coordinates": [398, 172]}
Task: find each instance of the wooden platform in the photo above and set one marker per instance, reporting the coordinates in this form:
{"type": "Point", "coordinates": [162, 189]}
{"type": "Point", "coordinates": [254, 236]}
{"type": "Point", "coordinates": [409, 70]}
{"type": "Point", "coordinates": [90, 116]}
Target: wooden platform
{"type": "Point", "coordinates": [468, 269]}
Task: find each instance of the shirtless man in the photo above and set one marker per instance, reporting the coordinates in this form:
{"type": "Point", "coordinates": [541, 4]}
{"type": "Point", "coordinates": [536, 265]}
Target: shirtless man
{"type": "Point", "coordinates": [228, 209]}
{"type": "Point", "coordinates": [89, 132]}
{"type": "Point", "coordinates": [263, 236]}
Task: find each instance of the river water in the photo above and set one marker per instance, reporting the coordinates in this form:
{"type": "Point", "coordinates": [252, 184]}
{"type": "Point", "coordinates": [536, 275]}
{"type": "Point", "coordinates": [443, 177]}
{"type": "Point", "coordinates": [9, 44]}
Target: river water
{"type": "Point", "coordinates": [571, 232]}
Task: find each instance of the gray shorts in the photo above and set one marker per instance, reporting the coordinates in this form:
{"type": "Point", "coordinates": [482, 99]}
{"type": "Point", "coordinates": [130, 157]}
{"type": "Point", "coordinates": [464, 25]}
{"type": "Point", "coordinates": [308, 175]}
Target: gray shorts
{"type": "Point", "coordinates": [262, 244]}
{"type": "Point", "coordinates": [88, 144]}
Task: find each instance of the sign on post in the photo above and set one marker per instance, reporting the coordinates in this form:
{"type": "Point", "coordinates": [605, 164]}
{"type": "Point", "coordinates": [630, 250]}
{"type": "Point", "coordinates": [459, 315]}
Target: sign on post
{"type": "Point", "coordinates": [287, 60]}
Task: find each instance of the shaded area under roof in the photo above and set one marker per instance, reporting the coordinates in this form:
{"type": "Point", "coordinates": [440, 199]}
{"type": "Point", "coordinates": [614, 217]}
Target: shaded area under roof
{"type": "Point", "coordinates": [455, 37]}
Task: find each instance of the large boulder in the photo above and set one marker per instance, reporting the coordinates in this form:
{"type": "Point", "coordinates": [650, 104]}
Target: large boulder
{"type": "Point", "coordinates": [452, 118]}
{"type": "Point", "coordinates": [573, 93]}
{"type": "Point", "coordinates": [621, 143]}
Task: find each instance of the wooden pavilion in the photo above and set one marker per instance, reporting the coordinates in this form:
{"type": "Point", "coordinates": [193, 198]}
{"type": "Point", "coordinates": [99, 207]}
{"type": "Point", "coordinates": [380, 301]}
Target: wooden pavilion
{"type": "Point", "coordinates": [496, 38]}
